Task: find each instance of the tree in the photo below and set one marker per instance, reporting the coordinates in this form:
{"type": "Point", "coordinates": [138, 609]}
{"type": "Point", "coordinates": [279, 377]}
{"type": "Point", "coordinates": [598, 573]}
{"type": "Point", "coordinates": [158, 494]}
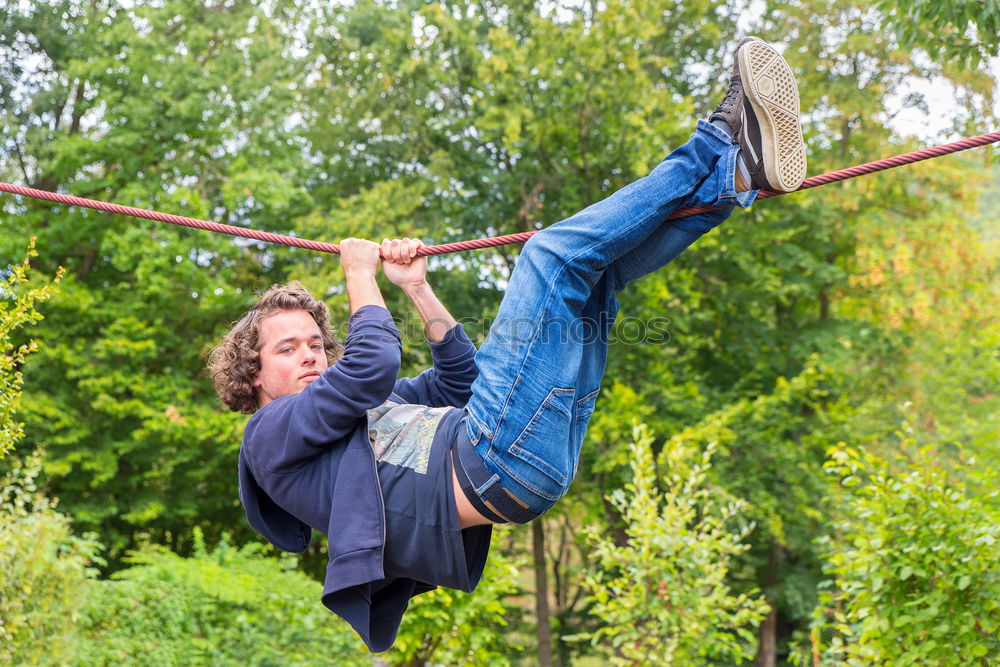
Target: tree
{"type": "Point", "coordinates": [157, 107]}
{"type": "Point", "coordinates": [966, 29]}
{"type": "Point", "coordinates": [751, 303]}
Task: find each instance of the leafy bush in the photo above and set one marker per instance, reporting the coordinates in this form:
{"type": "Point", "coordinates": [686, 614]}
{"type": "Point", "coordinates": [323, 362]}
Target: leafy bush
{"type": "Point", "coordinates": [915, 566]}
{"type": "Point", "coordinates": [227, 606]}
{"type": "Point", "coordinates": [450, 627]}
{"type": "Point", "coordinates": [43, 573]}
{"type": "Point", "coordinates": [663, 596]}
{"type": "Point", "coordinates": [43, 567]}
{"type": "Point", "coordinates": [17, 308]}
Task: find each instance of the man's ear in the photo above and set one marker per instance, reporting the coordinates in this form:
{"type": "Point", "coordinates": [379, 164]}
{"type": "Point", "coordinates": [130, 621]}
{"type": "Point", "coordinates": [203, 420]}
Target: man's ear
{"type": "Point", "coordinates": [256, 381]}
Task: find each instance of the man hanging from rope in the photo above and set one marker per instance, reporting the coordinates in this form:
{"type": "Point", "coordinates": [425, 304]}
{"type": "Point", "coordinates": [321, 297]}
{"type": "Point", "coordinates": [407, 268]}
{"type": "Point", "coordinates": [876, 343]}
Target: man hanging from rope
{"type": "Point", "coordinates": [407, 476]}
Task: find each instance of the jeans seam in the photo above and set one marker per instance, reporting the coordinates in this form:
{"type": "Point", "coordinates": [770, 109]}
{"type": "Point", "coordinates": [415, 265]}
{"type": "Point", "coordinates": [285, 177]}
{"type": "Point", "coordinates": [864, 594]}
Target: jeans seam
{"type": "Point", "coordinates": [744, 199]}
{"type": "Point", "coordinates": [525, 455]}
{"type": "Point", "coordinates": [549, 295]}
{"type": "Point", "coordinates": [483, 430]}
{"type": "Point", "coordinates": [498, 461]}
{"type": "Point", "coordinates": [729, 193]}
{"type": "Point", "coordinates": [711, 129]}
{"type": "Point", "coordinates": [729, 188]}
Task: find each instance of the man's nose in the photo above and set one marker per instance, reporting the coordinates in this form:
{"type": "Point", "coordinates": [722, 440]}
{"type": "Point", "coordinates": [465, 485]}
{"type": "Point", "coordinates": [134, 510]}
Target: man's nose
{"type": "Point", "coordinates": [309, 356]}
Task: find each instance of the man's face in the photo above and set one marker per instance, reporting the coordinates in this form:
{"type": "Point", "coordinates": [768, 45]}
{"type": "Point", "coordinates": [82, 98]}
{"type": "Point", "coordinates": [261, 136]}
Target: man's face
{"type": "Point", "coordinates": [291, 355]}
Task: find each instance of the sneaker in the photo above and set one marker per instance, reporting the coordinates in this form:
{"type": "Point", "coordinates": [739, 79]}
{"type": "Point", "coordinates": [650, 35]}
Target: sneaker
{"type": "Point", "coordinates": [731, 107]}
{"type": "Point", "coordinates": [762, 109]}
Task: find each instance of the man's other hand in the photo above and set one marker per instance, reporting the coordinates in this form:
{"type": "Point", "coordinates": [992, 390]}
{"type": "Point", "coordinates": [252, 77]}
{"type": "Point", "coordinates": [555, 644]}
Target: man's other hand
{"type": "Point", "coordinates": [401, 264]}
{"type": "Point", "coordinates": [359, 258]}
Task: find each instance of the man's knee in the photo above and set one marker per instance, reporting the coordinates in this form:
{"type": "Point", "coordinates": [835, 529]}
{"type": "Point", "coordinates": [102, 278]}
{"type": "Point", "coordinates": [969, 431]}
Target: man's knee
{"type": "Point", "coordinates": [542, 249]}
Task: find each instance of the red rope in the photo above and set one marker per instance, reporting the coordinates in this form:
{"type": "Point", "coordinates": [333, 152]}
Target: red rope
{"type": "Point", "coordinates": [812, 182]}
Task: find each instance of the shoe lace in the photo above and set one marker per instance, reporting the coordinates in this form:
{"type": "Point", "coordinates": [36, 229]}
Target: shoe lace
{"type": "Point", "coordinates": [728, 102]}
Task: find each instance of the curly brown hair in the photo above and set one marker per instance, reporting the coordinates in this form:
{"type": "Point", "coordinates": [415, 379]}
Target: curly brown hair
{"type": "Point", "coordinates": [235, 361]}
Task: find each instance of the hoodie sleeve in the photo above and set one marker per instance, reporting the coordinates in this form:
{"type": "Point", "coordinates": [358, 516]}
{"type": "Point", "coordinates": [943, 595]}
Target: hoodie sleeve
{"type": "Point", "coordinates": [449, 382]}
{"type": "Point", "coordinates": [292, 429]}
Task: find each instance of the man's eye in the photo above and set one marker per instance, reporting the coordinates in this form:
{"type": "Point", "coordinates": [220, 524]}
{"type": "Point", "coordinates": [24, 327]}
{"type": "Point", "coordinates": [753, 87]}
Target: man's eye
{"type": "Point", "coordinates": [284, 350]}
{"type": "Point", "coordinates": [317, 347]}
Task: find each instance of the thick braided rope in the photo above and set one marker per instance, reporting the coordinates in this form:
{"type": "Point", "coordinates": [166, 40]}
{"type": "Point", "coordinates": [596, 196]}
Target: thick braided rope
{"type": "Point", "coordinates": [864, 169]}
{"type": "Point", "coordinates": [812, 182]}
{"type": "Point", "coordinates": [216, 227]}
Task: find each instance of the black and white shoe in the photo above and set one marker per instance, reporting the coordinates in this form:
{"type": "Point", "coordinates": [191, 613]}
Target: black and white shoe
{"type": "Point", "coordinates": [761, 108]}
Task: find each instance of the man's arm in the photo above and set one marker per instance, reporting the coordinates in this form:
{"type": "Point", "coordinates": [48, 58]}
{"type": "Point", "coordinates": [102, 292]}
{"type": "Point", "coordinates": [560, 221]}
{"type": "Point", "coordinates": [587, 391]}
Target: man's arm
{"type": "Point", "coordinates": [437, 320]}
{"type": "Point", "coordinates": [360, 259]}
{"type": "Point", "coordinates": [449, 382]}
{"type": "Point", "coordinates": [409, 272]}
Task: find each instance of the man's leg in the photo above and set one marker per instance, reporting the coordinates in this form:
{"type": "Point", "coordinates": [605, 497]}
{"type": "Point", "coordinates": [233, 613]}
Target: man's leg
{"type": "Point", "coordinates": [760, 114]}
{"type": "Point", "coordinates": [772, 109]}
{"type": "Point", "coordinates": [543, 359]}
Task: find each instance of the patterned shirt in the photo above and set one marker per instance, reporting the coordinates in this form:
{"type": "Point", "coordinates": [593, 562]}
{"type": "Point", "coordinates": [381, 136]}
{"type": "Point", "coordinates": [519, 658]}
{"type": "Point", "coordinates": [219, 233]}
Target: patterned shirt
{"type": "Point", "coordinates": [402, 434]}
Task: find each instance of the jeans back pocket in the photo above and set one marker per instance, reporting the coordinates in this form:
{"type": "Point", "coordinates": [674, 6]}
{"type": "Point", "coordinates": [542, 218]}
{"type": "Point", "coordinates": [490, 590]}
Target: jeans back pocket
{"type": "Point", "coordinates": [545, 461]}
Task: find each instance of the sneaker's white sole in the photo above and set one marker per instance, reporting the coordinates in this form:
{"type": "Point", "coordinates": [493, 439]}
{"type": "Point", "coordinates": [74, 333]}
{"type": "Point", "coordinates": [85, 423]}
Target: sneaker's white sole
{"type": "Point", "coordinates": [769, 85]}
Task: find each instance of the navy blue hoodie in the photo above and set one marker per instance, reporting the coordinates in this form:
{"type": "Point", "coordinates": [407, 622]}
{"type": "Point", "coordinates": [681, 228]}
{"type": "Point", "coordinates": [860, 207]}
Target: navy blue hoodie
{"type": "Point", "coordinates": [306, 463]}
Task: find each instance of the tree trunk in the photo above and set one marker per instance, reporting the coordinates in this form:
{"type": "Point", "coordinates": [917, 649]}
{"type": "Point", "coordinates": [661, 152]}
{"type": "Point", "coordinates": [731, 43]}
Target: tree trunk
{"type": "Point", "coordinates": [541, 595]}
{"type": "Point", "coordinates": [767, 644]}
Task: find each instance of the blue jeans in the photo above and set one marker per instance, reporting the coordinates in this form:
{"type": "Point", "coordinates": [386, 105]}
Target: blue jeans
{"type": "Point", "coordinates": [541, 365]}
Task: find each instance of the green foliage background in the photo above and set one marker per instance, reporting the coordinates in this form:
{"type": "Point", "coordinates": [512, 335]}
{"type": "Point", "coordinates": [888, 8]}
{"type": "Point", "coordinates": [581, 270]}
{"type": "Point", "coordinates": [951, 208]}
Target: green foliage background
{"type": "Point", "coordinates": [807, 328]}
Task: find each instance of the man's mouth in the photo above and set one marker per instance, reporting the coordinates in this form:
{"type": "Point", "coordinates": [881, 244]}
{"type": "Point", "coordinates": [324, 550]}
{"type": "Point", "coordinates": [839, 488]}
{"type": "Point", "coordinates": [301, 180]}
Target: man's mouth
{"type": "Point", "coordinates": [310, 376]}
